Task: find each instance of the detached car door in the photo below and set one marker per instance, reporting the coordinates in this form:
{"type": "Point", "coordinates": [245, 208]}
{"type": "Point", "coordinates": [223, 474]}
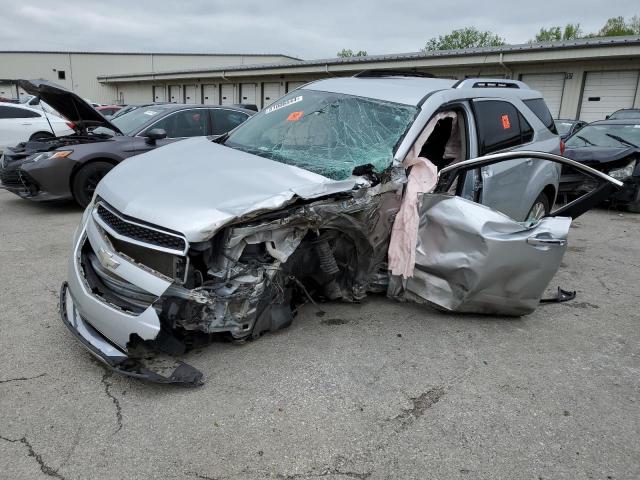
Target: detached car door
{"type": "Point", "coordinates": [472, 258]}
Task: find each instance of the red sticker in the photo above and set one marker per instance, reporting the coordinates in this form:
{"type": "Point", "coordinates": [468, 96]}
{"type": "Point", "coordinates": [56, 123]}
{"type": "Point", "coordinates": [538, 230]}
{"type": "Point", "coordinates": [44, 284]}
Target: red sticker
{"type": "Point", "coordinates": [506, 124]}
{"type": "Point", "coordinates": [295, 116]}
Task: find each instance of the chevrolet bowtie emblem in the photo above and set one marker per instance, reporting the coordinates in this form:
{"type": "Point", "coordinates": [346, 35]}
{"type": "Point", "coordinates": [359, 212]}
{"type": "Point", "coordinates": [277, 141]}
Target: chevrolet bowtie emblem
{"type": "Point", "coordinates": [106, 259]}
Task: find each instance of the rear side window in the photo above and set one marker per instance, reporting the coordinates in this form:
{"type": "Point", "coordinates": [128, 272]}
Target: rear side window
{"type": "Point", "coordinates": [12, 112]}
{"type": "Point", "coordinates": [500, 125]}
{"type": "Point", "coordinates": [541, 110]}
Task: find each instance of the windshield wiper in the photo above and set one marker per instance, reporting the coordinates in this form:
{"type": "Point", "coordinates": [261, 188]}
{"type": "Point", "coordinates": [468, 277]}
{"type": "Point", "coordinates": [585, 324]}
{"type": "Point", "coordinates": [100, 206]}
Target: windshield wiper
{"type": "Point", "coordinates": [586, 141]}
{"type": "Point", "coordinates": [221, 138]}
{"type": "Point", "coordinates": [621, 140]}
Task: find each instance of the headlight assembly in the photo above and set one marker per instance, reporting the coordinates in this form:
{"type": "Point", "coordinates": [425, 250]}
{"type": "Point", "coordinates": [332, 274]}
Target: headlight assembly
{"type": "Point", "coordinates": [624, 172]}
{"type": "Point", "coordinates": [47, 155]}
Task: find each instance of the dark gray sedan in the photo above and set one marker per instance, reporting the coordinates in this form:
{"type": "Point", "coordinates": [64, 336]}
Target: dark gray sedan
{"type": "Point", "coordinates": [70, 167]}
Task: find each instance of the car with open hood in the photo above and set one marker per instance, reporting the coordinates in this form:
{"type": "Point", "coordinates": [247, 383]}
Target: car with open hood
{"type": "Point", "coordinates": [612, 147]}
{"type": "Point", "coordinates": [421, 189]}
{"type": "Point", "coordinates": [70, 166]}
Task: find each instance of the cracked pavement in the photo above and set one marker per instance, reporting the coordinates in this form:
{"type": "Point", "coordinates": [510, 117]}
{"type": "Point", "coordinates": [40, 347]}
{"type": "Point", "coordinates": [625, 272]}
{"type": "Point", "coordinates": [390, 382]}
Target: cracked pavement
{"type": "Point", "coordinates": [372, 391]}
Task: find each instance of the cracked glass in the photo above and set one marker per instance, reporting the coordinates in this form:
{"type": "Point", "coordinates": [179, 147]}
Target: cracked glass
{"type": "Point", "coordinates": [326, 133]}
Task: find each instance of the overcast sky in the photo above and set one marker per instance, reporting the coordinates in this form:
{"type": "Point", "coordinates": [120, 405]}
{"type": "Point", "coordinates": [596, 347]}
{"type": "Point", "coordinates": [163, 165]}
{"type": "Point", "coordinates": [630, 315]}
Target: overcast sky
{"type": "Point", "coordinates": [306, 29]}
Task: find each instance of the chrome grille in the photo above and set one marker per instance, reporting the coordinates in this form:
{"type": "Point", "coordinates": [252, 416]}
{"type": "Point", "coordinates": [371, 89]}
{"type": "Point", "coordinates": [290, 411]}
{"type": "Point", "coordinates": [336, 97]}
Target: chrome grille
{"type": "Point", "coordinates": [140, 233]}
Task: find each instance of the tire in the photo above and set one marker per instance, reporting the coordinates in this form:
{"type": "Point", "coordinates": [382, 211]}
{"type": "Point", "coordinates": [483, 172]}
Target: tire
{"type": "Point", "coordinates": [539, 209]}
{"type": "Point", "coordinates": [41, 136]}
{"type": "Point", "coordinates": [86, 180]}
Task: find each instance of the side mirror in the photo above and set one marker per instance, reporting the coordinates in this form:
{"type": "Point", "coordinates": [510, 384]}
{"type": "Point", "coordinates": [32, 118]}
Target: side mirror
{"type": "Point", "coordinates": [155, 134]}
{"type": "Point", "coordinates": [607, 117]}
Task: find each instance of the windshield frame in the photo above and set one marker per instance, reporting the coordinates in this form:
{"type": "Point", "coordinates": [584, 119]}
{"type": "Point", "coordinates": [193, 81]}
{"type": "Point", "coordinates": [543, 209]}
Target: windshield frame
{"type": "Point", "coordinates": [227, 139]}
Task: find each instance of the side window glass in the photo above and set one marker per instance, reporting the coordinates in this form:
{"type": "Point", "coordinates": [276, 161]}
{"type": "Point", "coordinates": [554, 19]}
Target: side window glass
{"type": "Point", "coordinates": [498, 125]}
{"type": "Point", "coordinates": [525, 129]}
{"type": "Point", "coordinates": [185, 123]}
{"type": "Point", "coordinates": [11, 112]}
{"type": "Point", "coordinates": [537, 106]}
{"type": "Point", "coordinates": [226, 120]}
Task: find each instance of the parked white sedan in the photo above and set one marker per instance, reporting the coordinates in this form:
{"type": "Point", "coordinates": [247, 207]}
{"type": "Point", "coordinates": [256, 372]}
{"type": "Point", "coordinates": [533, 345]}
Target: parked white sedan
{"type": "Point", "coordinates": [19, 123]}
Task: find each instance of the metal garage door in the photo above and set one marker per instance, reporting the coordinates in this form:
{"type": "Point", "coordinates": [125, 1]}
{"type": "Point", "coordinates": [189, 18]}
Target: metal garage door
{"type": "Point", "coordinates": [175, 93]}
{"type": "Point", "coordinates": [294, 85]}
{"type": "Point", "coordinates": [8, 91]}
{"type": "Point", "coordinates": [191, 94]}
{"type": "Point", "coordinates": [159, 94]}
{"type": "Point", "coordinates": [226, 94]}
{"type": "Point", "coordinates": [248, 93]}
{"type": "Point", "coordinates": [210, 94]}
{"type": "Point", "coordinates": [270, 93]}
{"type": "Point", "coordinates": [606, 92]}
{"type": "Point", "coordinates": [551, 86]}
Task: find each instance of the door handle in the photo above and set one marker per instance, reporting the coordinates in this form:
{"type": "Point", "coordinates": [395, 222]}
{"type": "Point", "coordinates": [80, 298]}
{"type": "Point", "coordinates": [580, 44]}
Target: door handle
{"type": "Point", "coordinates": [546, 241]}
{"type": "Point", "coordinates": [25, 123]}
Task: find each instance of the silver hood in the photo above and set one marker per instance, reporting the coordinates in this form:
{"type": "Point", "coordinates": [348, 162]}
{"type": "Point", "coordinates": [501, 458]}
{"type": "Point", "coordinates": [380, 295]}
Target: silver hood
{"type": "Point", "coordinates": [196, 186]}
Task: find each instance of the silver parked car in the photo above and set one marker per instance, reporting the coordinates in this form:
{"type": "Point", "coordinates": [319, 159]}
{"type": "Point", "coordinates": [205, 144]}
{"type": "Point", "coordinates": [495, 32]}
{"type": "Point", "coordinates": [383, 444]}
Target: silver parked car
{"type": "Point", "coordinates": [422, 189]}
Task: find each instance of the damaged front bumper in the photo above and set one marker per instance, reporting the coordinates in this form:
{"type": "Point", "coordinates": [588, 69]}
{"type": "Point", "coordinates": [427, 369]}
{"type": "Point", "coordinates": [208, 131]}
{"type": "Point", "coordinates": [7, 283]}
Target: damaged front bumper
{"type": "Point", "coordinates": [106, 330]}
{"type": "Point", "coordinates": [113, 357]}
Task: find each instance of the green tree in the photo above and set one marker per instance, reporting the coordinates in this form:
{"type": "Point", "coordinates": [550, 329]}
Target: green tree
{"type": "Point", "coordinates": [347, 52]}
{"type": "Point", "coordinates": [617, 26]}
{"type": "Point", "coordinates": [467, 37]}
{"type": "Point", "coordinates": [571, 31]}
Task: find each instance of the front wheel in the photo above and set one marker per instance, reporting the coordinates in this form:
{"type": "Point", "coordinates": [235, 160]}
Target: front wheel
{"type": "Point", "coordinates": [86, 181]}
{"type": "Point", "coordinates": [539, 209]}
{"type": "Point", "coordinates": [634, 206]}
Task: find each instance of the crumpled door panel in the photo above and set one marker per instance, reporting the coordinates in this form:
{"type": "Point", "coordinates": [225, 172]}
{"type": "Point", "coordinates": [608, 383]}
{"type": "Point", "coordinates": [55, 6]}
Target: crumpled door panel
{"type": "Point", "coordinates": [470, 258]}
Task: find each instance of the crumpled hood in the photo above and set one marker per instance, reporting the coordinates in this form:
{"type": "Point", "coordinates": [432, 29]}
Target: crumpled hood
{"type": "Point", "coordinates": [195, 186]}
{"type": "Point", "coordinates": [599, 156]}
{"type": "Point", "coordinates": [67, 103]}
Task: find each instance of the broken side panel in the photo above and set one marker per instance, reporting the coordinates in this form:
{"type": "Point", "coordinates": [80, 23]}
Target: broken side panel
{"type": "Point", "coordinates": [470, 258]}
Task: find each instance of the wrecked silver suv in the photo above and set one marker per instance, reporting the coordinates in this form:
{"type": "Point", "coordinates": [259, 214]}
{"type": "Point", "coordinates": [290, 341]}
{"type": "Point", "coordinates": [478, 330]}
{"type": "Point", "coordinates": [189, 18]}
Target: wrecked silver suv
{"type": "Point", "coordinates": [384, 184]}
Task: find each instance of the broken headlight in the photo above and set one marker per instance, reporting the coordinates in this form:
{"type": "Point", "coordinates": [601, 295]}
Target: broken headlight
{"type": "Point", "coordinates": [47, 155]}
{"type": "Point", "coordinates": [624, 172]}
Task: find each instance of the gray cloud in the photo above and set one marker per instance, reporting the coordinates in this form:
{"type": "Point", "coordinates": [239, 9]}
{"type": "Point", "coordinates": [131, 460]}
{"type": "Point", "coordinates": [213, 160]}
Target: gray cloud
{"type": "Point", "coordinates": [304, 29]}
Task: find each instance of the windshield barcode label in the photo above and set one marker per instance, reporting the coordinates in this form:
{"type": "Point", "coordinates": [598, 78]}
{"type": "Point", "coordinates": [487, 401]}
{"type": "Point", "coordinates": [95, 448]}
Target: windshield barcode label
{"type": "Point", "coordinates": [286, 103]}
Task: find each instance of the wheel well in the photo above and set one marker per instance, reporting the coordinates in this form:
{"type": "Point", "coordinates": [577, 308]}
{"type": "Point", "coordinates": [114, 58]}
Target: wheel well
{"type": "Point", "coordinates": [550, 193]}
{"type": "Point", "coordinates": [80, 166]}
{"type": "Point", "coordinates": [42, 132]}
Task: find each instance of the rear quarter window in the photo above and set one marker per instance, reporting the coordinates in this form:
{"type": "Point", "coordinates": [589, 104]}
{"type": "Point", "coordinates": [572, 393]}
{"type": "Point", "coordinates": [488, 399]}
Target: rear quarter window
{"type": "Point", "coordinates": [12, 112]}
{"type": "Point", "coordinates": [540, 109]}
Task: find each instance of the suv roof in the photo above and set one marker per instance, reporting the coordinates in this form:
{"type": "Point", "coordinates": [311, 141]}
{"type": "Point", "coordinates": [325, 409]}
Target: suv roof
{"type": "Point", "coordinates": [410, 89]}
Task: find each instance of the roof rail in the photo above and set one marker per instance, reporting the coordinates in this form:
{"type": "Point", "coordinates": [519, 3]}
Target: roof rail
{"type": "Point", "coordinates": [490, 83]}
{"type": "Point", "coordinates": [377, 73]}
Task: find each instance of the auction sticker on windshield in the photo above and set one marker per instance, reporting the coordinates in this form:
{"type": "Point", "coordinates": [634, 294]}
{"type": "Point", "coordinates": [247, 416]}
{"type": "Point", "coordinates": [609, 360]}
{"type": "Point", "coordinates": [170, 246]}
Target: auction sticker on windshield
{"type": "Point", "coordinates": [280, 105]}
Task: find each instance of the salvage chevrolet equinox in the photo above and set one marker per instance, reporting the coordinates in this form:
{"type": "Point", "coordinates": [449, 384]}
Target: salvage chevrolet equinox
{"type": "Point", "coordinates": [422, 189]}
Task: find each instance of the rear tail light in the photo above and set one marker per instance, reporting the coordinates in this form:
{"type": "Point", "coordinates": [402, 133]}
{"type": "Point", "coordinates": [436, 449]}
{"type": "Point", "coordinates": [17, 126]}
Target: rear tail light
{"type": "Point", "coordinates": [562, 147]}
{"type": "Point", "coordinates": [71, 125]}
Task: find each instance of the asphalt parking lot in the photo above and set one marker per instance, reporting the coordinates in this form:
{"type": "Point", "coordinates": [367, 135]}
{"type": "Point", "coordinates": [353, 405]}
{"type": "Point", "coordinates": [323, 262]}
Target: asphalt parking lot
{"type": "Point", "coordinates": [371, 391]}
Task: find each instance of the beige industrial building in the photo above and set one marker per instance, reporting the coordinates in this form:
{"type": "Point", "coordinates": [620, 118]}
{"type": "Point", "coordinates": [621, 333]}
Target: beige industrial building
{"type": "Point", "coordinates": [79, 71]}
{"type": "Point", "coordinates": [585, 79]}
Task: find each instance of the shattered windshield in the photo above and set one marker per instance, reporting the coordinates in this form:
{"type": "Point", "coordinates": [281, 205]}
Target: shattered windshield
{"type": "Point", "coordinates": [326, 133]}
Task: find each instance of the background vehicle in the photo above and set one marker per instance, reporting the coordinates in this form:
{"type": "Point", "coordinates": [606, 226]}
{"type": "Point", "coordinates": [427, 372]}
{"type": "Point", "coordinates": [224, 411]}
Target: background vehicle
{"type": "Point", "coordinates": [612, 147]}
{"type": "Point", "coordinates": [566, 128]}
{"type": "Point", "coordinates": [624, 114]}
{"type": "Point", "coordinates": [19, 123]}
{"type": "Point", "coordinates": [109, 110]}
{"type": "Point", "coordinates": [71, 166]}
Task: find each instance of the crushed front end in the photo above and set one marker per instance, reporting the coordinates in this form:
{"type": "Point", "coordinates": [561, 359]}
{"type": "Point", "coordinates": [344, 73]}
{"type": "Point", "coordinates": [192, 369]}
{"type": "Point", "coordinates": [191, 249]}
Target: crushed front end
{"type": "Point", "coordinates": [136, 290]}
